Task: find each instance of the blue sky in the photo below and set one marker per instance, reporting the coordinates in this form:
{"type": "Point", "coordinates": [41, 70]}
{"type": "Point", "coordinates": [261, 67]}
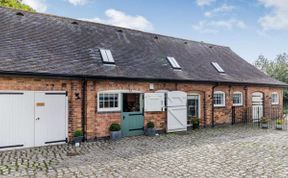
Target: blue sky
{"type": "Point", "coordinates": [249, 27]}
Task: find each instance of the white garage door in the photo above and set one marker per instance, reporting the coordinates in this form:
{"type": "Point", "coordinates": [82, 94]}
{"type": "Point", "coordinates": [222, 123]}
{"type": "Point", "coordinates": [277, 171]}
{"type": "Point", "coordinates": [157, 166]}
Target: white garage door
{"type": "Point", "coordinates": [32, 118]}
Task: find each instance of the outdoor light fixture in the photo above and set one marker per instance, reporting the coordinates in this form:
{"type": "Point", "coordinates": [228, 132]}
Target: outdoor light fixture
{"type": "Point", "coordinates": [77, 96]}
{"type": "Point", "coordinates": [151, 86]}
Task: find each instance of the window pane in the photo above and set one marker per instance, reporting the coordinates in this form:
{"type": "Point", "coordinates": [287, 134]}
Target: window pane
{"type": "Point", "coordinates": [237, 98]}
{"type": "Point", "coordinates": [218, 99]}
{"type": "Point", "coordinates": [101, 105]}
{"type": "Point", "coordinates": [108, 100]}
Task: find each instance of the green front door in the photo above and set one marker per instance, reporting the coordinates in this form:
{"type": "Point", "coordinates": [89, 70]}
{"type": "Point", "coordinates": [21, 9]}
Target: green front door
{"type": "Point", "coordinates": [132, 122]}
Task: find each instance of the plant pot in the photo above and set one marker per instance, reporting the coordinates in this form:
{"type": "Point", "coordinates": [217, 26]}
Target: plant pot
{"type": "Point", "coordinates": [114, 135]}
{"type": "Point", "coordinates": [264, 125]}
{"type": "Point", "coordinates": [78, 139]}
{"type": "Point", "coordinates": [279, 127]}
{"type": "Point", "coordinates": [195, 126]}
{"type": "Point", "coordinates": [151, 132]}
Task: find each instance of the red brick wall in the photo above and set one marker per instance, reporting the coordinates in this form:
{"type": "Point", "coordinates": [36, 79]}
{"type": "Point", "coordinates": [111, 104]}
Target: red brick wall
{"type": "Point", "coordinates": [98, 123]}
{"type": "Point", "coordinates": [38, 84]}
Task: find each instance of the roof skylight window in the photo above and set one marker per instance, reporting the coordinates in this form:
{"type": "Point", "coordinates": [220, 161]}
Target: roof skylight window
{"type": "Point", "coordinates": [174, 64]}
{"type": "Point", "coordinates": [107, 56]}
{"type": "Point", "coordinates": [217, 67]}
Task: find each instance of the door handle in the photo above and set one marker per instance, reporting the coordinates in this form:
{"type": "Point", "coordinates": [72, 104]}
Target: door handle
{"type": "Point", "coordinates": [38, 118]}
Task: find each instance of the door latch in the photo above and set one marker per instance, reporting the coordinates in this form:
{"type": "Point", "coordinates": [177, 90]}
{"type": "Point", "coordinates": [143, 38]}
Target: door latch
{"type": "Point", "coordinates": [38, 118]}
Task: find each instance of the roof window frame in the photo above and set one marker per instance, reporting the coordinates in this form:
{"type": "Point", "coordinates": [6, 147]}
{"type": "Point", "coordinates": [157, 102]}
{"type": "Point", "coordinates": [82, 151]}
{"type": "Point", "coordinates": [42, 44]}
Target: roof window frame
{"type": "Point", "coordinates": [173, 63]}
{"type": "Point", "coordinates": [106, 56]}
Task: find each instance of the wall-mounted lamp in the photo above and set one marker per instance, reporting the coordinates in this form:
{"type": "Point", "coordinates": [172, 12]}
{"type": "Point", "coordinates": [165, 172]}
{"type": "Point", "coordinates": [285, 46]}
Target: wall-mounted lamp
{"type": "Point", "coordinates": [77, 96]}
{"type": "Point", "coordinates": [151, 86]}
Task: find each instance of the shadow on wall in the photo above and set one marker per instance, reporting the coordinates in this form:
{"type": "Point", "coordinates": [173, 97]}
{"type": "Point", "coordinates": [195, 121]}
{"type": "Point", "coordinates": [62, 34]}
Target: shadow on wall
{"type": "Point", "coordinates": [286, 107]}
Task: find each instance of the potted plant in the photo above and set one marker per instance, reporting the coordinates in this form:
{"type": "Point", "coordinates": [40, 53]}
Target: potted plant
{"type": "Point", "coordinates": [264, 123]}
{"type": "Point", "coordinates": [115, 131]}
{"type": "Point", "coordinates": [150, 130]}
{"type": "Point", "coordinates": [279, 124]}
{"type": "Point", "coordinates": [78, 137]}
{"type": "Point", "coordinates": [196, 123]}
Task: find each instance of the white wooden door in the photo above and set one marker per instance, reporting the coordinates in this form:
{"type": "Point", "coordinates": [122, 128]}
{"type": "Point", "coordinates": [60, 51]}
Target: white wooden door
{"type": "Point", "coordinates": [257, 106]}
{"type": "Point", "coordinates": [16, 119]}
{"type": "Point", "coordinates": [50, 118]}
{"type": "Point", "coordinates": [176, 111]}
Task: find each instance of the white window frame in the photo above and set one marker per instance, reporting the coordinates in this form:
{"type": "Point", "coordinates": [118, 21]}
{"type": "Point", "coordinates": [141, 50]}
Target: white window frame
{"type": "Point", "coordinates": [241, 99]}
{"type": "Point", "coordinates": [173, 62]}
{"type": "Point", "coordinates": [218, 67]}
{"type": "Point", "coordinates": [114, 109]}
{"type": "Point", "coordinates": [224, 99]}
{"type": "Point", "coordinates": [107, 56]}
{"type": "Point", "coordinates": [277, 95]}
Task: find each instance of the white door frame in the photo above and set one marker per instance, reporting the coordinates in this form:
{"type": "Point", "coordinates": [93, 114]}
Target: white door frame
{"type": "Point", "coordinates": [257, 104]}
{"type": "Point", "coordinates": [199, 101]}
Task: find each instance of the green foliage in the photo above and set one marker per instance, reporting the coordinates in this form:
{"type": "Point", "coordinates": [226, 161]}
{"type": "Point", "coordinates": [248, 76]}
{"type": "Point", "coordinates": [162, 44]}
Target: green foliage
{"type": "Point", "coordinates": [195, 123]}
{"type": "Point", "coordinates": [264, 120]}
{"type": "Point", "coordinates": [150, 124]}
{"type": "Point", "coordinates": [78, 133]}
{"type": "Point", "coordinates": [115, 127]}
{"type": "Point", "coordinates": [15, 4]}
{"type": "Point", "coordinates": [279, 121]}
{"type": "Point", "coordinates": [277, 68]}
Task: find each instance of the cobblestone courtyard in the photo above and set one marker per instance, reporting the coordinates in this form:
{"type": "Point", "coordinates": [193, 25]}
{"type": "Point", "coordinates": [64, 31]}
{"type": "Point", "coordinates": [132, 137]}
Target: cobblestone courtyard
{"type": "Point", "coordinates": [233, 151]}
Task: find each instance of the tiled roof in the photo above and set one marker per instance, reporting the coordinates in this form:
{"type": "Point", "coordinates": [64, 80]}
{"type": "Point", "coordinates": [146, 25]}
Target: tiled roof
{"type": "Point", "coordinates": [45, 44]}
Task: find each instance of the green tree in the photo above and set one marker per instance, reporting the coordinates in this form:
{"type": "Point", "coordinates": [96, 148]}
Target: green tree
{"type": "Point", "coordinates": [277, 68]}
{"type": "Point", "coordinates": [15, 4]}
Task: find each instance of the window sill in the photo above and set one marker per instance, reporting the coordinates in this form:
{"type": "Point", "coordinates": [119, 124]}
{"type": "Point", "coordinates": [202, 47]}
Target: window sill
{"type": "Point", "coordinates": [238, 105]}
{"type": "Point", "coordinates": [107, 112]}
{"type": "Point", "coordinates": [219, 106]}
{"type": "Point", "coordinates": [275, 104]}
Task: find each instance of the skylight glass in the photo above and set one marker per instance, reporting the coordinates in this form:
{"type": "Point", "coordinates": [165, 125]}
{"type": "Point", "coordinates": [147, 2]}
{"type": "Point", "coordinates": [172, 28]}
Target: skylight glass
{"type": "Point", "coordinates": [107, 56]}
{"type": "Point", "coordinates": [218, 67]}
{"type": "Point", "coordinates": [174, 64]}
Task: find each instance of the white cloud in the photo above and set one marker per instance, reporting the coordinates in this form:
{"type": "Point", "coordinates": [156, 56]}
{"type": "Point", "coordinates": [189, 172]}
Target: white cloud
{"type": "Point", "coordinates": [277, 19]}
{"type": "Point", "coordinates": [219, 10]}
{"type": "Point", "coordinates": [204, 2]}
{"type": "Point", "coordinates": [119, 18]}
{"type": "Point", "coordinates": [38, 5]}
{"type": "Point", "coordinates": [218, 25]}
{"type": "Point", "coordinates": [78, 2]}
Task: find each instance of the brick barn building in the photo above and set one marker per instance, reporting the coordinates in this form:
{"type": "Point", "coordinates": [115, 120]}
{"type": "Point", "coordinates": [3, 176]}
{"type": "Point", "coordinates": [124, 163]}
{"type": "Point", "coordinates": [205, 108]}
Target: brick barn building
{"type": "Point", "coordinates": [60, 74]}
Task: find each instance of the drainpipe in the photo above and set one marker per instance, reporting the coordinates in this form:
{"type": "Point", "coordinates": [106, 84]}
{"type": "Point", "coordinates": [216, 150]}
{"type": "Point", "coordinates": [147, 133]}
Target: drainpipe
{"type": "Point", "coordinates": [204, 107]}
{"type": "Point", "coordinates": [84, 108]}
{"type": "Point", "coordinates": [213, 122]}
{"type": "Point", "coordinates": [246, 95]}
{"type": "Point", "coordinates": [246, 102]}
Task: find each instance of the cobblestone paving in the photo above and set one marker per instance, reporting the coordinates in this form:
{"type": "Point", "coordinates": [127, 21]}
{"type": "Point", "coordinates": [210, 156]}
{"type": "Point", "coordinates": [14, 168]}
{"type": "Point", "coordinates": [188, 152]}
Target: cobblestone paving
{"type": "Point", "coordinates": [234, 151]}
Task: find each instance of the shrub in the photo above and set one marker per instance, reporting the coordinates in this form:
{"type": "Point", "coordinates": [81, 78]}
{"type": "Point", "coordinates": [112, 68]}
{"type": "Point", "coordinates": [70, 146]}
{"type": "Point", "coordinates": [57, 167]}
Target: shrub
{"type": "Point", "coordinates": [150, 125]}
{"type": "Point", "coordinates": [78, 133]}
{"type": "Point", "coordinates": [264, 120]}
{"type": "Point", "coordinates": [279, 121]}
{"type": "Point", "coordinates": [195, 123]}
{"type": "Point", "coordinates": [115, 127]}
